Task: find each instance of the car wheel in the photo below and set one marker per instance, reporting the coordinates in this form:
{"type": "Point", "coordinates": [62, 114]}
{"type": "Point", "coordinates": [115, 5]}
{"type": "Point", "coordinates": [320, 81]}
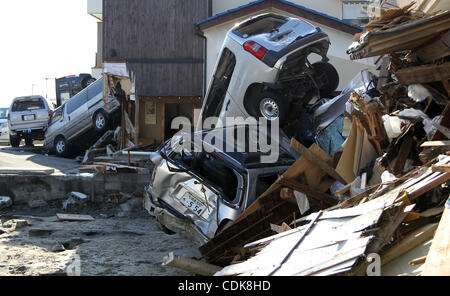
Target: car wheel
{"type": "Point", "coordinates": [14, 141]}
{"type": "Point", "coordinates": [100, 121]}
{"type": "Point", "coordinates": [327, 77]}
{"type": "Point", "coordinates": [61, 146]}
{"type": "Point", "coordinates": [271, 106]}
{"type": "Point", "coordinates": [28, 142]}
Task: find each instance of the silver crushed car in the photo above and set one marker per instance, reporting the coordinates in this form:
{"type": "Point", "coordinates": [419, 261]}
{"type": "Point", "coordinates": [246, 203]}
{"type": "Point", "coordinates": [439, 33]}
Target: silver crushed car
{"type": "Point", "coordinates": [198, 194]}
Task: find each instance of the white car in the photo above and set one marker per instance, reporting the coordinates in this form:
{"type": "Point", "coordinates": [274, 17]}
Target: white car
{"type": "Point", "coordinates": [263, 70]}
{"type": "Point", "coordinates": [4, 132]}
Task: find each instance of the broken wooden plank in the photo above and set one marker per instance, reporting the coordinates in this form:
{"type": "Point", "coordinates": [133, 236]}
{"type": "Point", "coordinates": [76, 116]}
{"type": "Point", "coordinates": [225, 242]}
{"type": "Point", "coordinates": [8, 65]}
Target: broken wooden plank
{"type": "Point", "coordinates": [73, 217]}
{"type": "Point", "coordinates": [438, 258]}
{"type": "Point", "coordinates": [426, 185]}
{"type": "Point", "coordinates": [411, 241]}
{"type": "Point", "coordinates": [445, 168]}
{"type": "Point", "coordinates": [328, 200]}
{"type": "Point", "coordinates": [435, 143]}
{"type": "Point", "coordinates": [191, 265]}
{"type": "Point", "coordinates": [316, 160]}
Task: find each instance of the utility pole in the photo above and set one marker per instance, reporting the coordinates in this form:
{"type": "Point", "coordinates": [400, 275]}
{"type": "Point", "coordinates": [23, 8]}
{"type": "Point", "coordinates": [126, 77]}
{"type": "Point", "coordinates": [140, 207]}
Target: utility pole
{"type": "Point", "coordinates": [46, 80]}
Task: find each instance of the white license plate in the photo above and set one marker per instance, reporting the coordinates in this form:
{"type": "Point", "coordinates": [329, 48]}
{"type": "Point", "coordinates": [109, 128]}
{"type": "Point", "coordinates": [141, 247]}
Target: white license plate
{"type": "Point", "coordinates": [192, 203]}
{"type": "Point", "coordinates": [28, 117]}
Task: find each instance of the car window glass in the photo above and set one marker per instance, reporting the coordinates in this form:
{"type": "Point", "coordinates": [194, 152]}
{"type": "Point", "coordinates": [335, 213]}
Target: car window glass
{"type": "Point", "coordinates": [219, 86]}
{"type": "Point", "coordinates": [33, 104]}
{"type": "Point", "coordinates": [95, 88]}
{"type": "Point", "coordinates": [259, 26]}
{"type": "Point", "coordinates": [77, 101]}
{"type": "Point", "coordinates": [3, 113]}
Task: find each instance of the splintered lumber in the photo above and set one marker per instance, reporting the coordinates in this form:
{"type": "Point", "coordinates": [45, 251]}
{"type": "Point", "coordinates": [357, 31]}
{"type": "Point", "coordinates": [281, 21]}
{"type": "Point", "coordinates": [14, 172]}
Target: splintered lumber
{"type": "Point", "coordinates": [191, 265]}
{"type": "Point", "coordinates": [72, 217]}
{"type": "Point", "coordinates": [408, 243]}
{"type": "Point", "coordinates": [441, 168]}
{"type": "Point", "coordinates": [428, 184]}
{"type": "Point", "coordinates": [418, 261]}
{"type": "Point", "coordinates": [438, 258]}
{"type": "Point", "coordinates": [316, 160]}
{"type": "Point", "coordinates": [424, 74]}
{"type": "Point", "coordinates": [435, 144]}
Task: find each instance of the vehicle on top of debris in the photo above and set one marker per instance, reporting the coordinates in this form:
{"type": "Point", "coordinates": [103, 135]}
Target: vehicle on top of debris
{"type": "Point", "coordinates": [198, 194]}
{"type": "Point", "coordinates": [4, 133]}
{"type": "Point", "coordinates": [84, 112]}
{"type": "Point", "coordinates": [263, 70]}
{"type": "Point", "coordinates": [27, 119]}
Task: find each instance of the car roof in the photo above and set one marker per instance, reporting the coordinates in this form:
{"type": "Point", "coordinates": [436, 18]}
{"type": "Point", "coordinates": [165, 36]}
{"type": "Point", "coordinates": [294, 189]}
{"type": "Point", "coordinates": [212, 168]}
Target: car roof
{"type": "Point", "coordinates": [241, 155]}
{"type": "Point", "coordinates": [24, 98]}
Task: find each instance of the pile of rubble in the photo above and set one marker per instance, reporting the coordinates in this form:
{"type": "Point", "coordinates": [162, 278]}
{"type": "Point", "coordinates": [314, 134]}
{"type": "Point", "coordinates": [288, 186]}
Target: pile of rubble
{"type": "Point", "coordinates": [375, 181]}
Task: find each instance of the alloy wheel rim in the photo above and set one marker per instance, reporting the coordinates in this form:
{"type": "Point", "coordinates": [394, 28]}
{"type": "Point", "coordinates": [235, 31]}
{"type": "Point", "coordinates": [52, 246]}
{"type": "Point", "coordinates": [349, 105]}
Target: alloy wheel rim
{"type": "Point", "coordinates": [60, 146]}
{"type": "Point", "coordinates": [100, 122]}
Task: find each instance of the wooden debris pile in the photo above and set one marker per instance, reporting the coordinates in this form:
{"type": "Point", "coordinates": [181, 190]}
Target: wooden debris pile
{"type": "Point", "coordinates": [384, 191]}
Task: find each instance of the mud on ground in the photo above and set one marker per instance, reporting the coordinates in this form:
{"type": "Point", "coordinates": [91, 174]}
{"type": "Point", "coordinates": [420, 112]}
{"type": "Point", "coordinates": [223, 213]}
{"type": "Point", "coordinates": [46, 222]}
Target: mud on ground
{"type": "Point", "coordinates": [108, 246]}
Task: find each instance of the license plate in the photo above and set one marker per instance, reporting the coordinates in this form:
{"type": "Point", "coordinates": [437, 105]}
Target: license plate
{"type": "Point", "coordinates": [192, 203]}
{"type": "Point", "coordinates": [28, 117]}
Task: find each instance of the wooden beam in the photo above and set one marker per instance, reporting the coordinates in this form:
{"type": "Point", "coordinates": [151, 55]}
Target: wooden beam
{"type": "Point", "coordinates": [316, 160]}
{"type": "Point", "coordinates": [435, 143]}
{"type": "Point", "coordinates": [192, 265]}
{"type": "Point", "coordinates": [445, 168]}
{"type": "Point", "coordinates": [411, 241]}
{"type": "Point", "coordinates": [310, 193]}
{"type": "Point", "coordinates": [438, 258]}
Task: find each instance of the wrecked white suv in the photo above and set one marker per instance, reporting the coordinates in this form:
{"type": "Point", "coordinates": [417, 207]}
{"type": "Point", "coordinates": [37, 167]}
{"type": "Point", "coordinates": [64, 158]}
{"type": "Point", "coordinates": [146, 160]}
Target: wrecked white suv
{"type": "Point", "coordinates": [263, 70]}
{"type": "Point", "coordinates": [198, 194]}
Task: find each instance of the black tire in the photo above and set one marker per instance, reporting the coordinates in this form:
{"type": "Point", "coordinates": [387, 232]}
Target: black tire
{"type": "Point", "coordinates": [270, 105]}
{"type": "Point", "coordinates": [326, 76]}
{"type": "Point", "coordinates": [224, 225]}
{"type": "Point", "coordinates": [14, 141]}
{"type": "Point", "coordinates": [100, 121]}
{"type": "Point", "coordinates": [28, 142]}
{"type": "Point", "coordinates": [87, 82]}
{"type": "Point", "coordinates": [60, 146]}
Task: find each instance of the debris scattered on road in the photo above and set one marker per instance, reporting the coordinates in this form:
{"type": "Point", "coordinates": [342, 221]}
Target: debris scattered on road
{"type": "Point", "coordinates": [72, 217]}
{"type": "Point", "coordinates": [39, 203]}
{"type": "Point", "coordinates": [5, 202]}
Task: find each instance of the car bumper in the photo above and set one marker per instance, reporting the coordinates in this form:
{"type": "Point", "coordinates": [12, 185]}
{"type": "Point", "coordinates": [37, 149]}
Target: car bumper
{"type": "Point", "coordinates": [183, 227]}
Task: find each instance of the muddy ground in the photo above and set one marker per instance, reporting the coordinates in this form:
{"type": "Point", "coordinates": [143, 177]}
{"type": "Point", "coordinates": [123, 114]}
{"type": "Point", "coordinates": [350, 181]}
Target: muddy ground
{"type": "Point", "coordinates": [111, 245]}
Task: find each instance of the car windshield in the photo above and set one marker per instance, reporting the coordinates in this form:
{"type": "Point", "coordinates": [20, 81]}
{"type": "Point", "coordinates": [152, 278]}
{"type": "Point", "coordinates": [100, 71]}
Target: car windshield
{"type": "Point", "coordinates": [29, 105]}
{"type": "Point", "coordinates": [4, 113]}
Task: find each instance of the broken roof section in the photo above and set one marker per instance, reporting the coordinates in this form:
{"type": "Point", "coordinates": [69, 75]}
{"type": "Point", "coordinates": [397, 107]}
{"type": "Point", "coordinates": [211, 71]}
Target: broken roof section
{"type": "Point", "coordinates": [282, 5]}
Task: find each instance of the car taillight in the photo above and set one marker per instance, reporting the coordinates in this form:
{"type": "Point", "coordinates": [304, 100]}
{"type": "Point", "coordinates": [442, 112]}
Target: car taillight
{"type": "Point", "coordinates": [255, 49]}
{"type": "Point", "coordinates": [9, 116]}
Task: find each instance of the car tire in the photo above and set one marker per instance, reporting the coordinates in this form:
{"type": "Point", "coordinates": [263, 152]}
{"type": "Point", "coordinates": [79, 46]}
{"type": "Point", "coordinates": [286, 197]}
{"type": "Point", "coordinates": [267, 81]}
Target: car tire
{"type": "Point", "coordinates": [28, 142]}
{"type": "Point", "coordinates": [100, 121]}
{"type": "Point", "coordinates": [60, 146]}
{"type": "Point", "coordinates": [271, 106]}
{"type": "Point", "coordinates": [14, 141]}
{"type": "Point", "coordinates": [328, 75]}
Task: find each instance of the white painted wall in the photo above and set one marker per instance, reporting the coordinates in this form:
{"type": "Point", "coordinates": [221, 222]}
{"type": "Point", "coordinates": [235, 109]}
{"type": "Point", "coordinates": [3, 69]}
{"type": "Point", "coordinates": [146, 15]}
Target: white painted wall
{"type": "Point", "coordinates": [340, 41]}
{"type": "Point", "coordinates": [330, 7]}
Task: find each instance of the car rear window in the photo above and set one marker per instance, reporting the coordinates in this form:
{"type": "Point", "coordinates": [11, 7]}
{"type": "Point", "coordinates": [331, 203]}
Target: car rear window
{"type": "Point", "coordinates": [29, 105]}
{"type": "Point", "coordinates": [3, 113]}
{"type": "Point", "coordinates": [259, 26]}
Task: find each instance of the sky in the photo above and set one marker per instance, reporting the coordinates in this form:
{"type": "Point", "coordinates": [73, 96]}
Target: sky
{"type": "Point", "coordinates": [43, 39]}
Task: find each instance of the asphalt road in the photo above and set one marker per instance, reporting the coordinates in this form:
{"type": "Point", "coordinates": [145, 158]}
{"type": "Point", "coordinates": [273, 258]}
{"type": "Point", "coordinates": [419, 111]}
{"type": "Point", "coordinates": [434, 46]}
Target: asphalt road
{"type": "Point", "coordinates": [32, 158]}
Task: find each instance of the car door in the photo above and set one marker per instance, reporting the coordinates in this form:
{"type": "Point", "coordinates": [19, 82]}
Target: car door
{"type": "Point", "coordinates": [77, 111]}
{"type": "Point", "coordinates": [95, 96]}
